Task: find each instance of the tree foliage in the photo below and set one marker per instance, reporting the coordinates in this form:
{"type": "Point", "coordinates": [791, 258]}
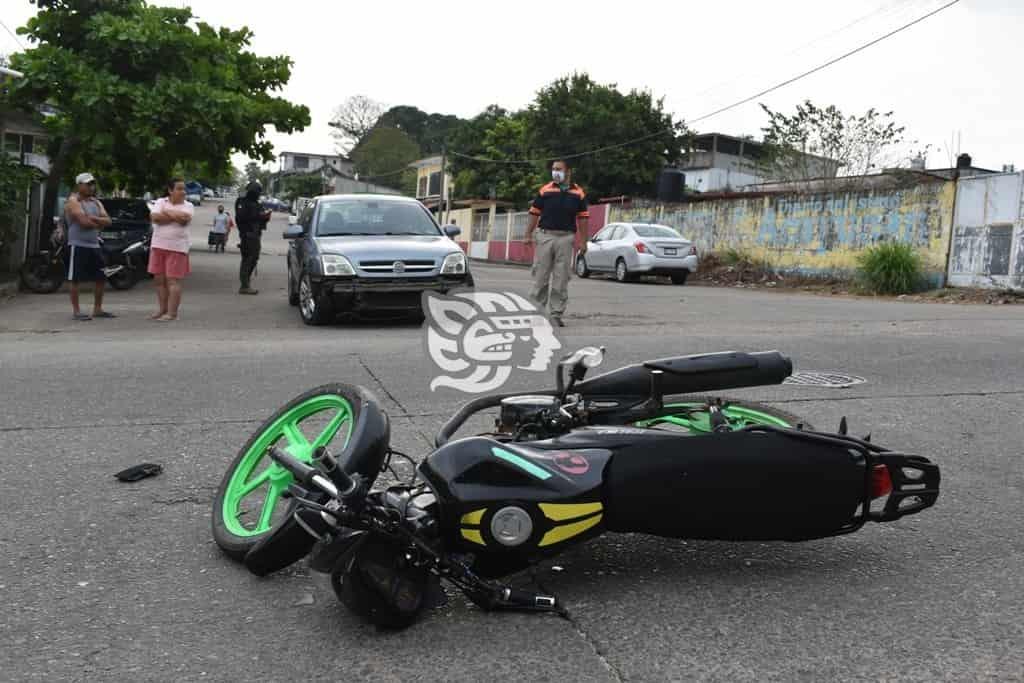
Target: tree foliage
{"type": "Point", "coordinates": [139, 89]}
{"type": "Point", "coordinates": [844, 144]}
{"type": "Point", "coordinates": [572, 117]}
{"type": "Point", "coordinates": [14, 183]}
{"type": "Point", "coordinates": [383, 155]}
{"type": "Point", "coordinates": [430, 131]}
{"type": "Point", "coordinates": [353, 119]}
{"type": "Point", "coordinates": [303, 185]}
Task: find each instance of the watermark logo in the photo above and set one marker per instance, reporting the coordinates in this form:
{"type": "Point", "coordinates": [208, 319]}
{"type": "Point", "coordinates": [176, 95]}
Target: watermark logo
{"type": "Point", "coordinates": [476, 339]}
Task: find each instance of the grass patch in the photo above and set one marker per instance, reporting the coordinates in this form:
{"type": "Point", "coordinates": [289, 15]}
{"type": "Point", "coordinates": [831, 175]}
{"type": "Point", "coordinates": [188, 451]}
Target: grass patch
{"type": "Point", "coordinates": [890, 268]}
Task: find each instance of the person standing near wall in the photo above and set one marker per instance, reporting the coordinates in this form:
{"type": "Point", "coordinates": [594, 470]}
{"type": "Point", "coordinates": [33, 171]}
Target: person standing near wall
{"type": "Point", "coordinates": [560, 209]}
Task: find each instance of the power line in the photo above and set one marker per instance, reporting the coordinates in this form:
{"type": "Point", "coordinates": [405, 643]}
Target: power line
{"type": "Point", "coordinates": [721, 110]}
{"type": "Point", "coordinates": [879, 11]}
{"type": "Point", "coordinates": [13, 35]}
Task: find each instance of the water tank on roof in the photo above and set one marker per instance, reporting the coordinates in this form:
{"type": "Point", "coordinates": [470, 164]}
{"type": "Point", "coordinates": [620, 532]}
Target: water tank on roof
{"type": "Point", "coordinates": [671, 184]}
{"type": "Point", "coordinates": [963, 161]}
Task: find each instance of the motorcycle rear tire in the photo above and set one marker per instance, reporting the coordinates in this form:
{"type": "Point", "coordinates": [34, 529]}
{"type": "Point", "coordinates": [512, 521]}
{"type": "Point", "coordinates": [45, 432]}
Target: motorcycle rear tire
{"type": "Point", "coordinates": [791, 419]}
{"type": "Point", "coordinates": [123, 279]}
{"type": "Point", "coordinates": [39, 275]}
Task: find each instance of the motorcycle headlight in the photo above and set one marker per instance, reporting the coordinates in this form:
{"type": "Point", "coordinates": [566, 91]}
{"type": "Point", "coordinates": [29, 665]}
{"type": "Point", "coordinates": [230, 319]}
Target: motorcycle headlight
{"type": "Point", "coordinates": [336, 264]}
{"type": "Point", "coordinates": [454, 264]}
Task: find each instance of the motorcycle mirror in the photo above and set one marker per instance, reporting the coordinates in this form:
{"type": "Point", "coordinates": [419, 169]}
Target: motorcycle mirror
{"type": "Point", "coordinates": [588, 357]}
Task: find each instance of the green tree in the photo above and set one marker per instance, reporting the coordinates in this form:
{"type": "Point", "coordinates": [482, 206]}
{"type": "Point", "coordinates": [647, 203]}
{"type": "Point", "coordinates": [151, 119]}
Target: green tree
{"type": "Point", "coordinates": [14, 184]}
{"type": "Point", "coordinates": [574, 115]}
{"type": "Point", "coordinates": [305, 185]}
{"type": "Point", "coordinates": [816, 142]}
{"type": "Point", "coordinates": [383, 155]}
{"type": "Point", "coordinates": [570, 117]}
{"type": "Point", "coordinates": [430, 131]}
{"type": "Point", "coordinates": [139, 88]}
{"type": "Point", "coordinates": [500, 136]}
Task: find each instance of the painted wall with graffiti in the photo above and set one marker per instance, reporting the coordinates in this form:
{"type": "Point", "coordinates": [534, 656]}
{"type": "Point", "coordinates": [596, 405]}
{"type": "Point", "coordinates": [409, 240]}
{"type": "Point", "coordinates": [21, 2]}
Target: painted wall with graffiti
{"type": "Point", "coordinates": [816, 234]}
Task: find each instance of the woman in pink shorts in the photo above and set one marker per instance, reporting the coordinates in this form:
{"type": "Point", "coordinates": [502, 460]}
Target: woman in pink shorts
{"type": "Point", "coordinates": [168, 254]}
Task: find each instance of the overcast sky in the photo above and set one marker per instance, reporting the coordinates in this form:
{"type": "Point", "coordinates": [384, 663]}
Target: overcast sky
{"type": "Point", "coordinates": [956, 73]}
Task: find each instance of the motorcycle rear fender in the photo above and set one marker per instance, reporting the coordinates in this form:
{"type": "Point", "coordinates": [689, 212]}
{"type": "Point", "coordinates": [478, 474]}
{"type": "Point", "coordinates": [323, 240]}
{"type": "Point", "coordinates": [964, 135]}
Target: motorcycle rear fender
{"type": "Point", "coordinates": [758, 484]}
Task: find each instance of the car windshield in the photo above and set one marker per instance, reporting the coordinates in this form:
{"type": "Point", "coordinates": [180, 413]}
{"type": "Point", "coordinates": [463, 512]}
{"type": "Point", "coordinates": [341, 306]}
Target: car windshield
{"type": "Point", "coordinates": [656, 231]}
{"type": "Point", "coordinates": [126, 209]}
{"type": "Point", "coordinates": [372, 217]}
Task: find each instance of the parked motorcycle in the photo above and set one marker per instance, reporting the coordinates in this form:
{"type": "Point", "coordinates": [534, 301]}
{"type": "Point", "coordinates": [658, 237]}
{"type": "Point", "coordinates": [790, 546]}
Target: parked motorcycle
{"type": "Point", "coordinates": [560, 467]}
{"type": "Point", "coordinates": [125, 267]}
{"type": "Point", "coordinates": [45, 272]}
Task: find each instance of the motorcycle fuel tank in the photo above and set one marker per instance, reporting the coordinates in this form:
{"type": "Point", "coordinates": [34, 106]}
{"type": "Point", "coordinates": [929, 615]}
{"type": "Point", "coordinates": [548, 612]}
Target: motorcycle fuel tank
{"type": "Point", "coordinates": [509, 502]}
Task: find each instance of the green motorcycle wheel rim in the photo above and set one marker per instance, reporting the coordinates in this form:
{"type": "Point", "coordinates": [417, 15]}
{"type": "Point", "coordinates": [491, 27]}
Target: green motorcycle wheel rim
{"type": "Point", "coordinates": [699, 421]}
{"type": "Point", "coordinates": [256, 475]}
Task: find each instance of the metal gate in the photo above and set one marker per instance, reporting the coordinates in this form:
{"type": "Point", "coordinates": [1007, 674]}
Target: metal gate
{"type": "Point", "coordinates": [988, 232]}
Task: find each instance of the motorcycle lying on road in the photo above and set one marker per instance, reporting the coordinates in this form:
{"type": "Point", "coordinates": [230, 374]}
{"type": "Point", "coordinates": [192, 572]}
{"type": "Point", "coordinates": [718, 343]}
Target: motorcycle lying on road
{"type": "Point", "coordinates": [45, 272]}
{"type": "Point", "coordinates": [561, 467]}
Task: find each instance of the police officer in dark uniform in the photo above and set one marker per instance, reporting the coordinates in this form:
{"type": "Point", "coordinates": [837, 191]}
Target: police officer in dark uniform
{"type": "Point", "coordinates": [251, 220]}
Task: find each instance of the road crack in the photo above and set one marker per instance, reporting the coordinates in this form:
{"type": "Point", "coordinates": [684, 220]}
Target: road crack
{"type": "Point", "coordinates": [394, 399]}
{"type": "Point", "coordinates": [594, 646]}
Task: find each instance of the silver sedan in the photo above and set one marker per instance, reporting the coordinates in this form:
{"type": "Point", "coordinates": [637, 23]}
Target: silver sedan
{"type": "Point", "coordinates": [628, 250]}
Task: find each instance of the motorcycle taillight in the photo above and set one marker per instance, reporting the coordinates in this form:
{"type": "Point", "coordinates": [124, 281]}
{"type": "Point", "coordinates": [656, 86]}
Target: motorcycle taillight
{"type": "Point", "coordinates": [881, 482]}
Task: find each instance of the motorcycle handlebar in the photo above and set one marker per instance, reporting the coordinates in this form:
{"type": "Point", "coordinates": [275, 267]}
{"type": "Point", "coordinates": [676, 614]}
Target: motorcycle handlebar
{"type": "Point", "coordinates": [311, 476]}
{"type": "Point", "coordinates": [456, 421]}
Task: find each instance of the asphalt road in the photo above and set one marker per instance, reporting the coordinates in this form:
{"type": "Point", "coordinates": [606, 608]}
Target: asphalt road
{"type": "Point", "coordinates": [108, 581]}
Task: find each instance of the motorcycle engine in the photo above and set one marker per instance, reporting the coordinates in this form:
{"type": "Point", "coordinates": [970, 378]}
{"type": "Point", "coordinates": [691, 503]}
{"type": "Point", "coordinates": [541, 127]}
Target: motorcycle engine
{"type": "Point", "coordinates": [528, 417]}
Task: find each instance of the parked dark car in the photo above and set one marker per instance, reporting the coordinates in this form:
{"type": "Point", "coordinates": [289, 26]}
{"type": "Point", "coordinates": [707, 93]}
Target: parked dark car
{"type": "Point", "coordinates": [130, 222]}
{"type": "Point", "coordinates": [369, 253]}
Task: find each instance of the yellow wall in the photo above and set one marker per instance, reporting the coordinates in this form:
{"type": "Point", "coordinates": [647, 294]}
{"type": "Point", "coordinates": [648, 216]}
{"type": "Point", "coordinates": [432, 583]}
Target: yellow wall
{"type": "Point", "coordinates": [814, 233]}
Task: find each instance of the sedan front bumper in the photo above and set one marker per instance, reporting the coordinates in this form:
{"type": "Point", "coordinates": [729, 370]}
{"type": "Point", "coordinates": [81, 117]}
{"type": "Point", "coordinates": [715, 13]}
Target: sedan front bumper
{"type": "Point", "coordinates": [387, 294]}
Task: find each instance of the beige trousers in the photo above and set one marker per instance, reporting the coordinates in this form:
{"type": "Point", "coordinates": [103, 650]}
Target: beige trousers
{"type": "Point", "coordinates": [552, 264]}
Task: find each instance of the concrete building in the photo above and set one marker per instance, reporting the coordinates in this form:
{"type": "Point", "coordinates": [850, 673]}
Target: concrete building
{"type": "Point", "coordinates": [307, 163]}
{"type": "Point", "coordinates": [714, 162]}
{"type": "Point", "coordinates": [23, 137]}
{"type": "Point", "coordinates": [429, 186]}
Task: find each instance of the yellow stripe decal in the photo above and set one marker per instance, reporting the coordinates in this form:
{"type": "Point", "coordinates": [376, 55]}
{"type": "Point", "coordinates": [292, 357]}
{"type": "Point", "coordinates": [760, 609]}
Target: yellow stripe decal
{"type": "Point", "coordinates": [473, 535]}
{"type": "Point", "coordinates": [566, 531]}
{"type": "Point", "coordinates": [560, 512]}
{"type": "Point", "coordinates": [474, 517]}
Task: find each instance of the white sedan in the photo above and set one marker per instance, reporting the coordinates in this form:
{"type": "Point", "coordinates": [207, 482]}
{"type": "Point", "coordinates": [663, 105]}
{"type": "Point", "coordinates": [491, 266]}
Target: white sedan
{"type": "Point", "coordinates": [628, 250]}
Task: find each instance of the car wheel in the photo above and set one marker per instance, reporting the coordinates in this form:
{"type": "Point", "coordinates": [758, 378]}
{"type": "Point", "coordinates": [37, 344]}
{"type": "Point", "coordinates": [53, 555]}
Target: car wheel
{"type": "Point", "coordinates": [581, 266]}
{"type": "Point", "coordinates": [621, 272]}
{"type": "Point", "coordinates": [293, 295]}
{"type": "Point", "coordinates": [680, 278]}
{"type": "Point", "coordinates": [315, 308]}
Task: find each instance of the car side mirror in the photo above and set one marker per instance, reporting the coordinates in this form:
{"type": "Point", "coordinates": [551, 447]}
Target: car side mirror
{"type": "Point", "coordinates": [452, 231]}
{"type": "Point", "coordinates": [293, 232]}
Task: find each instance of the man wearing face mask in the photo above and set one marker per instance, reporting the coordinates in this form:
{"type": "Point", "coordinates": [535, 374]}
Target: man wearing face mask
{"type": "Point", "coordinates": [560, 209]}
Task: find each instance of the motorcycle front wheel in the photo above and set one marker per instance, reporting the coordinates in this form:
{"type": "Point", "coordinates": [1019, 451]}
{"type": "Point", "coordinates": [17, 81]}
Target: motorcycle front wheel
{"type": "Point", "coordinates": [40, 275]}
{"type": "Point", "coordinates": [694, 415]}
{"type": "Point", "coordinates": [123, 279]}
{"type": "Point", "coordinates": [249, 501]}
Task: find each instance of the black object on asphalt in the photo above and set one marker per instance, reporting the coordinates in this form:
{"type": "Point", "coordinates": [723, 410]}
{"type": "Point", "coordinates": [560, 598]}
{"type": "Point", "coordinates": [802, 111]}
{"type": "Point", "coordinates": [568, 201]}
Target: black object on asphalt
{"type": "Point", "coordinates": [138, 472]}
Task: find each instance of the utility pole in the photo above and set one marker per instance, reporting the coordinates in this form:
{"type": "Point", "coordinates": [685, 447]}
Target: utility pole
{"type": "Point", "coordinates": [442, 200]}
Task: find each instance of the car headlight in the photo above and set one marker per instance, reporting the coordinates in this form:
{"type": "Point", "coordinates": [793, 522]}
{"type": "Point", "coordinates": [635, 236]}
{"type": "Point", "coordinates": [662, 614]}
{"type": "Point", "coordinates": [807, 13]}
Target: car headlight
{"type": "Point", "coordinates": [336, 264]}
{"type": "Point", "coordinates": [454, 264]}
